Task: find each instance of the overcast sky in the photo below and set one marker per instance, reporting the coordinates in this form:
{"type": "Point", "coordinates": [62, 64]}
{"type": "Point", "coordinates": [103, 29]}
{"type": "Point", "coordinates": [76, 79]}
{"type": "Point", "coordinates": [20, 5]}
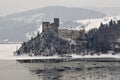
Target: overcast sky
{"type": "Point", "coordinates": [10, 6]}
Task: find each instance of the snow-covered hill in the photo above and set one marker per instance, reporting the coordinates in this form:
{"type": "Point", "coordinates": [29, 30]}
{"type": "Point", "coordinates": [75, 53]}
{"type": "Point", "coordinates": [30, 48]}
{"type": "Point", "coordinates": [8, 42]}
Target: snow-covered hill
{"type": "Point", "coordinates": [93, 23]}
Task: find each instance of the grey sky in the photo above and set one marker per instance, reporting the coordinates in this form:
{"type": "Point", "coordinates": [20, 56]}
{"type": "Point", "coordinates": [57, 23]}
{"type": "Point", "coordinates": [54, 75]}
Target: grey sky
{"type": "Point", "coordinates": [9, 6]}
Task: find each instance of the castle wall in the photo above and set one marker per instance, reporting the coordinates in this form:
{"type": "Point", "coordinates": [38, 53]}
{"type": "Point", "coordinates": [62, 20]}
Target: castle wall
{"type": "Point", "coordinates": [54, 27]}
{"type": "Point", "coordinates": [72, 34]}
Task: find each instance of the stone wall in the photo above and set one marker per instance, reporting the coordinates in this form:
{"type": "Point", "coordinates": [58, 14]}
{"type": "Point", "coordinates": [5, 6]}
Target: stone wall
{"type": "Point", "coordinates": [72, 34]}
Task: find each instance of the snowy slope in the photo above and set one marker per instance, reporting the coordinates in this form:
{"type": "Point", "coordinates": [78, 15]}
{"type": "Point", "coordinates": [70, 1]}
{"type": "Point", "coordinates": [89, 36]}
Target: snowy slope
{"type": "Point", "coordinates": [94, 23]}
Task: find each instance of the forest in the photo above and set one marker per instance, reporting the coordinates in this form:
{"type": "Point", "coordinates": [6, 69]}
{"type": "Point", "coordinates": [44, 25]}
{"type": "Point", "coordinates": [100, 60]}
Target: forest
{"type": "Point", "coordinates": [105, 38]}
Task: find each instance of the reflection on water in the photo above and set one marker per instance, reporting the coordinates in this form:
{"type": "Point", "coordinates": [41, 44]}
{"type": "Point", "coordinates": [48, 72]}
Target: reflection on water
{"type": "Point", "coordinates": [75, 70]}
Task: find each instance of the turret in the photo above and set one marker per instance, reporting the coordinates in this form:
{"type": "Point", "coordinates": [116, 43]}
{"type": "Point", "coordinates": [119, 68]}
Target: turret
{"type": "Point", "coordinates": [45, 25]}
{"type": "Point", "coordinates": [56, 22]}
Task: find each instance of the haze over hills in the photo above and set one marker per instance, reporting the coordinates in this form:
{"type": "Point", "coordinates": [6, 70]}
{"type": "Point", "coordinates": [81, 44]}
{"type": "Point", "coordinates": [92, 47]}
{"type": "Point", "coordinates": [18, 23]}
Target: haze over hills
{"type": "Point", "coordinates": [16, 26]}
{"type": "Point", "coordinates": [109, 11]}
{"type": "Point", "coordinates": [64, 13]}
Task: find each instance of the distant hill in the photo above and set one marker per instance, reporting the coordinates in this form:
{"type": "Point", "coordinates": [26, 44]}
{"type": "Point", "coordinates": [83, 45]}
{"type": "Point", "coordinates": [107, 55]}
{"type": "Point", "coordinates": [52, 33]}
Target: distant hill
{"type": "Point", "coordinates": [16, 26]}
{"type": "Point", "coordinates": [110, 11]}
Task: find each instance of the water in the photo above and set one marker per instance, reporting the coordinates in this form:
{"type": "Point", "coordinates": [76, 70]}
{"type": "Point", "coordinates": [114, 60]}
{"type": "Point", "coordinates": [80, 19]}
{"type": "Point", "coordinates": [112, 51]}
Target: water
{"type": "Point", "coordinates": [73, 70]}
{"type": "Point", "coordinates": [78, 70]}
{"type": "Point", "coordinates": [11, 70]}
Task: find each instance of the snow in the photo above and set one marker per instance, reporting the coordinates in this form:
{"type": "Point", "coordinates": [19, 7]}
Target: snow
{"type": "Point", "coordinates": [5, 40]}
{"type": "Point", "coordinates": [29, 35]}
{"type": "Point", "coordinates": [38, 15]}
{"type": "Point", "coordinates": [95, 23]}
{"type": "Point", "coordinates": [96, 56]}
{"type": "Point", "coordinates": [30, 18]}
{"type": "Point", "coordinates": [39, 28]}
{"type": "Point", "coordinates": [33, 34]}
{"type": "Point", "coordinates": [87, 23]}
{"type": "Point", "coordinates": [7, 50]}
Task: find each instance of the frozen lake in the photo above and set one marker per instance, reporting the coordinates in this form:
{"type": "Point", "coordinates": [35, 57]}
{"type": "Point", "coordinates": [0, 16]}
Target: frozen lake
{"type": "Point", "coordinates": [7, 50]}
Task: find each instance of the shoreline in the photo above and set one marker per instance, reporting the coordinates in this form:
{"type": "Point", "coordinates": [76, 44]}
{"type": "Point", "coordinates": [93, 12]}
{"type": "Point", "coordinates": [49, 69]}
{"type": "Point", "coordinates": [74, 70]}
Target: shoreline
{"type": "Point", "coordinates": [69, 60]}
{"type": "Point", "coordinates": [65, 58]}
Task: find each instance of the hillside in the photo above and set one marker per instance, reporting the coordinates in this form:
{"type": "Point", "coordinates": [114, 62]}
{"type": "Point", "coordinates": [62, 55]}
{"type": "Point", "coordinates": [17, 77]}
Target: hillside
{"type": "Point", "coordinates": [16, 27]}
{"type": "Point", "coordinates": [93, 23]}
{"type": "Point", "coordinates": [110, 11]}
{"type": "Point", "coordinates": [49, 43]}
{"type": "Point", "coordinates": [97, 41]}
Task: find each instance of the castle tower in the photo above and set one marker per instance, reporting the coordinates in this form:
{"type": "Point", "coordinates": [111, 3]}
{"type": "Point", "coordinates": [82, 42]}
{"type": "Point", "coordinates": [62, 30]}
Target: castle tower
{"type": "Point", "coordinates": [56, 22]}
{"type": "Point", "coordinates": [51, 26]}
{"type": "Point", "coordinates": [45, 25]}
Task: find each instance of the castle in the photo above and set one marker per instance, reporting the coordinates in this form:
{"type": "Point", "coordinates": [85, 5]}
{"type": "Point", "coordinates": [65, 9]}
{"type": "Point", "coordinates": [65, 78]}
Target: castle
{"type": "Point", "coordinates": [52, 26]}
{"type": "Point", "coordinates": [72, 34]}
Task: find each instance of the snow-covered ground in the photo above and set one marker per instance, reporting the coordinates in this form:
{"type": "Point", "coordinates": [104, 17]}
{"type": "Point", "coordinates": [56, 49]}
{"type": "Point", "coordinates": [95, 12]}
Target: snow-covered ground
{"type": "Point", "coordinates": [95, 23]}
{"type": "Point", "coordinates": [96, 56]}
{"type": "Point", "coordinates": [7, 50]}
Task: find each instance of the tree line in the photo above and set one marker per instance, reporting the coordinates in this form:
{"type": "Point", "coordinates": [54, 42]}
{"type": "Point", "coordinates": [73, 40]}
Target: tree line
{"type": "Point", "coordinates": [102, 39]}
